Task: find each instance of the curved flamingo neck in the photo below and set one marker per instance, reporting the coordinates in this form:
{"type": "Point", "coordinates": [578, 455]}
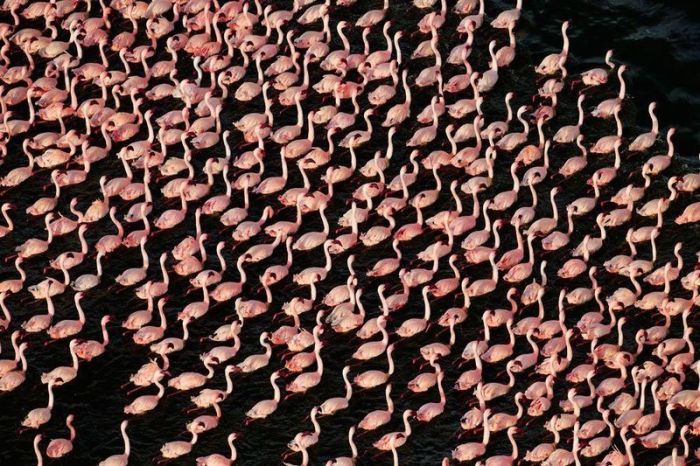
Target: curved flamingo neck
{"type": "Point", "coordinates": [127, 443]}
{"type": "Point", "coordinates": [37, 450]}
{"type": "Point", "coordinates": [406, 424]}
{"type": "Point", "coordinates": [74, 357]}
{"type": "Point", "coordinates": [621, 94]}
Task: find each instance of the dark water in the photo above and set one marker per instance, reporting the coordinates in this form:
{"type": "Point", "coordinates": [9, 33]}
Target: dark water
{"type": "Point", "coordinates": [658, 42]}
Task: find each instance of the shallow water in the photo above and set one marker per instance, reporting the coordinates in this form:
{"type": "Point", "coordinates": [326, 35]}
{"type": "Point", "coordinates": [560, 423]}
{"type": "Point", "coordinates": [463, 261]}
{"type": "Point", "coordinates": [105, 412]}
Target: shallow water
{"type": "Point", "coordinates": [658, 42]}
{"type": "Point", "coordinates": [659, 45]}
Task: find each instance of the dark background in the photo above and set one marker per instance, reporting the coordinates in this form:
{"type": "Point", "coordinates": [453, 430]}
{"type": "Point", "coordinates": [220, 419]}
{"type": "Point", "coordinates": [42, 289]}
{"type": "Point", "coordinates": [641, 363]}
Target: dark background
{"type": "Point", "coordinates": [658, 40]}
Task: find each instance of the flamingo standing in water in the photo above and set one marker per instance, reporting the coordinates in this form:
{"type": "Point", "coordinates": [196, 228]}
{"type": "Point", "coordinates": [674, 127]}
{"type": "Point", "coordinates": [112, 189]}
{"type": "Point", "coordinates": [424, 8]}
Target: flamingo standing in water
{"type": "Point", "coordinates": [264, 408]}
{"type": "Point", "coordinates": [135, 275]}
{"type": "Point", "coordinates": [60, 447]}
{"type": "Point", "coordinates": [645, 140]}
{"type": "Point", "coordinates": [345, 460]}
{"type": "Point", "coordinates": [606, 108]}
{"type": "Point", "coordinates": [377, 418]}
{"type": "Point", "coordinates": [551, 63]}
{"type": "Point", "coordinates": [40, 416]}
{"type": "Point", "coordinates": [121, 459]}
{"type": "Point", "coordinates": [396, 439]}
{"type": "Point", "coordinates": [216, 459]}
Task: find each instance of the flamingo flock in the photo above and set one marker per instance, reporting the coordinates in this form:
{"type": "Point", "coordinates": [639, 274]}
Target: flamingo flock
{"type": "Point", "coordinates": [304, 225]}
